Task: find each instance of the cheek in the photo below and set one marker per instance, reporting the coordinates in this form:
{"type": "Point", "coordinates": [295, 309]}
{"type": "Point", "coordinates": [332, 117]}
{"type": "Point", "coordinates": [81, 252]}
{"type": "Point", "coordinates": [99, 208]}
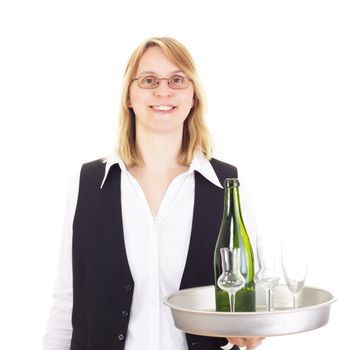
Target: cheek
{"type": "Point", "coordinates": [131, 98]}
{"type": "Point", "coordinates": [135, 100]}
{"type": "Point", "coordinates": [188, 100]}
{"type": "Point", "coordinates": [191, 97]}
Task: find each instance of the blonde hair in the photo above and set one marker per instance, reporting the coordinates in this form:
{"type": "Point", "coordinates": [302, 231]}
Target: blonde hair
{"type": "Point", "coordinates": [195, 133]}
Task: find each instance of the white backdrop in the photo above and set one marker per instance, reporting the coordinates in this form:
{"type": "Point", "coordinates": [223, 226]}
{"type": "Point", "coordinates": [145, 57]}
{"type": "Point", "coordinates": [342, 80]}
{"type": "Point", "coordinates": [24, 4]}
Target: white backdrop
{"type": "Point", "coordinates": [276, 74]}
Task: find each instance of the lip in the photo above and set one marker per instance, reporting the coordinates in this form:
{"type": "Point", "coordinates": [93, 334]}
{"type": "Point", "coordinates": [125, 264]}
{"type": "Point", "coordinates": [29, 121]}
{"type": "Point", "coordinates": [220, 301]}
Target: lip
{"type": "Point", "coordinates": [163, 111]}
{"type": "Point", "coordinates": [163, 104]}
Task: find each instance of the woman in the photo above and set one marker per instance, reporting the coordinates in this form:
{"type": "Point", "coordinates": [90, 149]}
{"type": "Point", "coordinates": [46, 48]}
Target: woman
{"type": "Point", "coordinates": [142, 223]}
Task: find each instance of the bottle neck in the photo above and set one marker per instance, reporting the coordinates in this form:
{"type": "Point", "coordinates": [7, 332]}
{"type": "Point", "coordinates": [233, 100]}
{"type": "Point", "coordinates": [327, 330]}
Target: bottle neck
{"type": "Point", "coordinates": [232, 206]}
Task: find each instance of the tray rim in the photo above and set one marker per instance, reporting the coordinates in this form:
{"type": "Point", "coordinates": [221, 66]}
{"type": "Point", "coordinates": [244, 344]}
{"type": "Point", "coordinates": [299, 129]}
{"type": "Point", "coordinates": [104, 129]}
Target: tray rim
{"type": "Point", "coordinates": [227, 313]}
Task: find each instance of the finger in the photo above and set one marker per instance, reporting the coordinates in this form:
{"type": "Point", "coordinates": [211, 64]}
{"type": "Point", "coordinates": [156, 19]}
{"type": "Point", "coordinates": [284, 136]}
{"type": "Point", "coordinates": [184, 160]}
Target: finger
{"type": "Point", "coordinates": [253, 346]}
{"type": "Point", "coordinates": [254, 342]}
{"type": "Point", "coordinates": [238, 341]}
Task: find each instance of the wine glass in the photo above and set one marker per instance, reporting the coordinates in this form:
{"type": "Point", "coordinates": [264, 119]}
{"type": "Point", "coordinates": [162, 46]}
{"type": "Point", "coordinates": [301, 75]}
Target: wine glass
{"type": "Point", "coordinates": [294, 262]}
{"type": "Point", "coordinates": [268, 272]}
{"type": "Point", "coordinates": [231, 279]}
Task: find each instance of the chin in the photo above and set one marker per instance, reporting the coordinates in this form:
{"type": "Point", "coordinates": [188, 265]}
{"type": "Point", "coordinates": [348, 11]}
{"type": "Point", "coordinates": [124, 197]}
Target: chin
{"type": "Point", "coordinates": [162, 124]}
{"type": "Point", "coordinates": [166, 129]}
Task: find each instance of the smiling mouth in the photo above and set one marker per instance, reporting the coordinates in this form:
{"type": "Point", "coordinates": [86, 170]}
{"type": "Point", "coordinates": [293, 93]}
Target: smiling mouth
{"type": "Point", "coordinates": [163, 108]}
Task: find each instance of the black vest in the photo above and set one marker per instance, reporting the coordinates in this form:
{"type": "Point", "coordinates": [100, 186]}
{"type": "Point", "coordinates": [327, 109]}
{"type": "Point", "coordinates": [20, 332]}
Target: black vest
{"type": "Point", "coordinates": [102, 281]}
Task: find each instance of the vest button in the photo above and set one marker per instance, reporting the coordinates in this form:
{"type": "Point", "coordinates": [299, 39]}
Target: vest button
{"type": "Point", "coordinates": [125, 313]}
{"type": "Point", "coordinates": [121, 337]}
{"type": "Point", "coordinates": [128, 287]}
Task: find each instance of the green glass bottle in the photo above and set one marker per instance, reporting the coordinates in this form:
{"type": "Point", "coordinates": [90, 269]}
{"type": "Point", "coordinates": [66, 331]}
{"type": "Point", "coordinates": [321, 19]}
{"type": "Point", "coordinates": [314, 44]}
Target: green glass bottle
{"type": "Point", "coordinates": [233, 234]}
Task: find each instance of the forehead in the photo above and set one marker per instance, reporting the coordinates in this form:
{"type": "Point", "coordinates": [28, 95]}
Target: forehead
{"type": "Point", "coordinates": [155, 61]}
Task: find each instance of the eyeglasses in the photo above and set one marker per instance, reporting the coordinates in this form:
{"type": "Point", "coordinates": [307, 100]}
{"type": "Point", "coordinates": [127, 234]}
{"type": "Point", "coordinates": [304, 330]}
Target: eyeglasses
{"type": "Point", "coordinates": [152, 81]}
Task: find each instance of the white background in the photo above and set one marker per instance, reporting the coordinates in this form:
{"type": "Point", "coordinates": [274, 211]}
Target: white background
{"type": "Point", "coordinates": [276, 74]}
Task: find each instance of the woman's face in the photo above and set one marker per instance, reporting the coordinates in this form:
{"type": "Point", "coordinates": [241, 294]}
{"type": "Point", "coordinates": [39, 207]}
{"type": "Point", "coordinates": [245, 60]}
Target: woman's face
{"type": "Point", "coordinates": [161, 109]}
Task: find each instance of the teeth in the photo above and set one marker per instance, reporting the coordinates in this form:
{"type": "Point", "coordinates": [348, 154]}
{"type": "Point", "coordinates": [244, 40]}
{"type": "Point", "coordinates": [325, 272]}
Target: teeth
{"type": "Point", "coordinates": [162, 108]}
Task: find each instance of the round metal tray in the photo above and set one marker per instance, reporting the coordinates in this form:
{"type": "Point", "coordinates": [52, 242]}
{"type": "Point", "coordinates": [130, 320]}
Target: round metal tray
{"type": "Point", "coordinates": [194, 312]}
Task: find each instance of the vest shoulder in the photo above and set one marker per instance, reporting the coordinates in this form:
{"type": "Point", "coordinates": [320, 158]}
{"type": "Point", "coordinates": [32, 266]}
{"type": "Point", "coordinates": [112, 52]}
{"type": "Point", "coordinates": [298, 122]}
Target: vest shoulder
{"type": "Point", "coordinates": [223, 170]}
{"type": "Point", "coordinates": [93, 170]}
{"type": "Point", "coordinates": [94, 164]}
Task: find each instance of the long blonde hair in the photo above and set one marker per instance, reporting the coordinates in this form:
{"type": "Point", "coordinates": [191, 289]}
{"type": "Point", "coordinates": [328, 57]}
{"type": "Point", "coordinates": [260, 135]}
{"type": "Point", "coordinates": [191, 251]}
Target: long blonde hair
{"type": "Point", "coordinates": [196, 135]}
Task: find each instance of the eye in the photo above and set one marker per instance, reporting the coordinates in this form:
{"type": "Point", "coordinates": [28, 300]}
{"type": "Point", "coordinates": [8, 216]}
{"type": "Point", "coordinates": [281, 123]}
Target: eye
{"type": "Point", "coordinates": [177, 79]}
{"type": "Point", "coordinates": [149, 80]}
{"type": "Point", "coordinates": [178, 82]}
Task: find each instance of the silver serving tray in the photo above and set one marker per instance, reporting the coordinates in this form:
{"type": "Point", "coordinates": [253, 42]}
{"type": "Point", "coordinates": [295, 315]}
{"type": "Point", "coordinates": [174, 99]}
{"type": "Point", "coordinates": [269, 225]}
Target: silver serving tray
{"type": "Point", "coordinates": [194, 312]}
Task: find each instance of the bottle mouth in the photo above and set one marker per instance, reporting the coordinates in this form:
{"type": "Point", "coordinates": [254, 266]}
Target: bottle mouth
{"type": "Point", "coordinates": [231, 181]}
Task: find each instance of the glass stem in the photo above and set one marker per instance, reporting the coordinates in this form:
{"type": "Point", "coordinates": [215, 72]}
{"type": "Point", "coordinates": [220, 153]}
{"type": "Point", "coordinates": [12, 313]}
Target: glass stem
{"type": "Point", "coordinates": [268, 299]}
{"type": "Point", "coordinates": [295, 301]}
{"type": "Point", "coordinates": [232, 302]}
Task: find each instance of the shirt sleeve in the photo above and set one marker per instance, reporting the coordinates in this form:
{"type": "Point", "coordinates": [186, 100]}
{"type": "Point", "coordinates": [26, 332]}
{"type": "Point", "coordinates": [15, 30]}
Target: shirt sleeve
{"type": "Point", "coordinates": [59, 328]}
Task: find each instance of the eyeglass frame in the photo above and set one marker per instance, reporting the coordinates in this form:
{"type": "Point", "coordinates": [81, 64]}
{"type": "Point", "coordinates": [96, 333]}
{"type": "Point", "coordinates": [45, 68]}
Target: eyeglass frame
{"type": "Point", "coordinates": [158, 81]}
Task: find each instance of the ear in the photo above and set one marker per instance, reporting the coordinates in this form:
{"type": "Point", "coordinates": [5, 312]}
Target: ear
{"type": "Point", "coordinates": [129, 103]}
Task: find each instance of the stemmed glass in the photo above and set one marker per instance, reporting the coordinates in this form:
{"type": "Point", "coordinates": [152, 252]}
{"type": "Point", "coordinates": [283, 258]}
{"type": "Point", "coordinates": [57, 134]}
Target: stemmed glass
{"type": "Point", "coordinates": [268, 272]}
{"type": "Point", "coordinates": [231, 279]}
{"type": "Point", "coordinates": [294, 262]}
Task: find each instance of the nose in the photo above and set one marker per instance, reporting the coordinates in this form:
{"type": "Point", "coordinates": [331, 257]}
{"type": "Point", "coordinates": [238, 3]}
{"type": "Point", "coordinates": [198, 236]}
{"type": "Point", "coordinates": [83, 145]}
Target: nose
{"type": "Point", "coordinates": [163, 89]}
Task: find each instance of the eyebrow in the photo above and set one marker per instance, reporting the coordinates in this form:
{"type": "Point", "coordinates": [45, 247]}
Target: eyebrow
{"type": "Point", "coordinates": [152, 72]}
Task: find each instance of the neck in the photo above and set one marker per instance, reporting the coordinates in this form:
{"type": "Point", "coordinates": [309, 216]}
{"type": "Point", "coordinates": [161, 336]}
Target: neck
{"type": "Point", "coordinates": [159, 151]}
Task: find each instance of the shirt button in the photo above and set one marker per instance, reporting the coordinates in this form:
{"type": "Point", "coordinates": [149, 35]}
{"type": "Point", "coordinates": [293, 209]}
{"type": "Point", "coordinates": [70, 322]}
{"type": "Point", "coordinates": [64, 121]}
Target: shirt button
{"type": "Point", "coordinates": [121, 337]}
{"type": "Point", "coordinates": [125, 313]}
{"type": "Point", "coordinates": [128, 287]}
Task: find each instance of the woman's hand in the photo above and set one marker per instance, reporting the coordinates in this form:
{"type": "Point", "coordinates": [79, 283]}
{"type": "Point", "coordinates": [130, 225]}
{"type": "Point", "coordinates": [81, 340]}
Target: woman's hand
{"type": "Point", "coordinates": [250, 343]}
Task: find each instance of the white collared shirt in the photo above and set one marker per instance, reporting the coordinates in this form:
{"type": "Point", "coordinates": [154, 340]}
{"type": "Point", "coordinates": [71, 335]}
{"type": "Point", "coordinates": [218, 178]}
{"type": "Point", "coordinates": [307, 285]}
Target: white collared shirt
{"type": "Point", "coordinates": [156, 249]}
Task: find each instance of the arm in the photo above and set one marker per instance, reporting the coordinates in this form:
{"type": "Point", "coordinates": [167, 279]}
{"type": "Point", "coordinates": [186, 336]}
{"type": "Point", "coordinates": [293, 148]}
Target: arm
{"type": "Point", "coordinates": [59, 328]}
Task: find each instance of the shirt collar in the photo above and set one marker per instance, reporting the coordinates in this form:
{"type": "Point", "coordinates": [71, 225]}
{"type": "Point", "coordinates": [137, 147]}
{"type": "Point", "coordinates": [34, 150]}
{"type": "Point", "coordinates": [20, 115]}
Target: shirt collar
{"type": "Point", "coordinates": [112, 159]}
{"type": "Point", "coordinates": [204, 167]}
{"type": "Point", "coordinates": [199, 164]}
